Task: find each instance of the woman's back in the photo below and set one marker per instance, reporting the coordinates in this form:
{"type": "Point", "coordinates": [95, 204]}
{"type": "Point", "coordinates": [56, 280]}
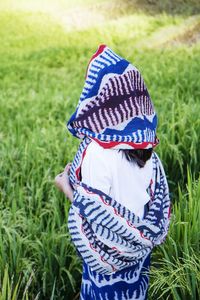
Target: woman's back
{"type": "Point", "coordinates": [109, 171]}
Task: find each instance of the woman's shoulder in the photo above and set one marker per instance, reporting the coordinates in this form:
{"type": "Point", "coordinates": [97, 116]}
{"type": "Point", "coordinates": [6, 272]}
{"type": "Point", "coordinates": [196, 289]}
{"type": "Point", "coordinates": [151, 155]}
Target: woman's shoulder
{"type": "Point", "coordinates": [95, 150]}
{"type": "Point", "coordinates": [113, 158]}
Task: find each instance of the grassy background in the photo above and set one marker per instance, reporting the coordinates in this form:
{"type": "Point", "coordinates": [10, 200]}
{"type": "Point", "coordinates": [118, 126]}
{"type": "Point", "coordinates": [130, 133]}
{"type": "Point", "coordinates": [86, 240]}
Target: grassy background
{"type": "Point", "coordinates": [44, 50]}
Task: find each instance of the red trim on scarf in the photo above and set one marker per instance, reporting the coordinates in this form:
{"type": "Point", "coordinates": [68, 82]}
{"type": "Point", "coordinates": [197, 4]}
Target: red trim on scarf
{"type": "Point", "coordinates": [99, 51]}
{"type": "Point", "coordinates": [107, 145]}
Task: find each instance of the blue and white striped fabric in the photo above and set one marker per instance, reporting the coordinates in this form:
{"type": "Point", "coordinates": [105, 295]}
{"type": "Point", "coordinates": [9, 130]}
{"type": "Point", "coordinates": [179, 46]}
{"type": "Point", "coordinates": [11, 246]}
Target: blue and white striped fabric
{"type": "Point", "coordinates": [112, 240]}
{"type": "Point", "coordinates": [127, 284]}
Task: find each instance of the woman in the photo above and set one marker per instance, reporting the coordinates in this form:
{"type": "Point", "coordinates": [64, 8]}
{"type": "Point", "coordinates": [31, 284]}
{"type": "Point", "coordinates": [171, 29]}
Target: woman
{"type": "Point", "coordinates": [120, 202]}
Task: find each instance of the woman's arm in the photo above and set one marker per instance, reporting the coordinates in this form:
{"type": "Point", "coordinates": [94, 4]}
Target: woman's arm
{"type": "Point", "coordinates": [62, 182]}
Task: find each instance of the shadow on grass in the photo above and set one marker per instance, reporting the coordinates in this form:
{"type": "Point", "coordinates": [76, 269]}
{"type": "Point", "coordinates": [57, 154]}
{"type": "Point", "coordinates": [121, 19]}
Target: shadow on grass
{"type": "Point", "coordinates": [172, 7]}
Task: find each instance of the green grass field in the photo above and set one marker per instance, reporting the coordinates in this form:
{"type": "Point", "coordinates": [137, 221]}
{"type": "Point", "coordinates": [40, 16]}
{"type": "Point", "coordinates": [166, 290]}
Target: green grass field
{"type": "Point", "coordinates": [44, 51]}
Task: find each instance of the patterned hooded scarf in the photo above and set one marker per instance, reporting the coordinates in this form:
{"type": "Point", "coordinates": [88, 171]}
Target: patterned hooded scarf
{"type": "Point", "coordinates": [115, 110]}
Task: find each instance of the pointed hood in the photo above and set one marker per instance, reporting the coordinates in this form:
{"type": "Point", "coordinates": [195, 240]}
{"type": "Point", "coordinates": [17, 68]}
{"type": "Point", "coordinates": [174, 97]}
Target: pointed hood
{"type": "Point", "coordinates": [114, 108]}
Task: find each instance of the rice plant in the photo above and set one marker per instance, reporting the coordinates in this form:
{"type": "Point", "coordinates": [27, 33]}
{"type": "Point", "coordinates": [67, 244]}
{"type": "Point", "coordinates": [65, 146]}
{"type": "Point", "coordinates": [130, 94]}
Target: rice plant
{"type": "Point", "coordinates": [177, 279]}
{"type": "Point", "coordinates": [11, 291]}
{"type": "Point", "coordinates": [42, 67]}
{"type": "Point", "coordinates": [176, 273]}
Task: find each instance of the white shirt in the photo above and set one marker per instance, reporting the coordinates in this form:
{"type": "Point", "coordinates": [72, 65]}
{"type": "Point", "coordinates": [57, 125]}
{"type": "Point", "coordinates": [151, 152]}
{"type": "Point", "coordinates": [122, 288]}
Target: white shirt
{"type": "Point", "coordinates": [109, 171]}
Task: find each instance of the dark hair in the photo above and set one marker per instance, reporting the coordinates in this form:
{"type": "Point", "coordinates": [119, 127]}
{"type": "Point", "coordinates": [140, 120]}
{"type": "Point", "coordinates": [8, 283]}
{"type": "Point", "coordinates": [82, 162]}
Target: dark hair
{"type": "Point", "coordinates": [138, 156]}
